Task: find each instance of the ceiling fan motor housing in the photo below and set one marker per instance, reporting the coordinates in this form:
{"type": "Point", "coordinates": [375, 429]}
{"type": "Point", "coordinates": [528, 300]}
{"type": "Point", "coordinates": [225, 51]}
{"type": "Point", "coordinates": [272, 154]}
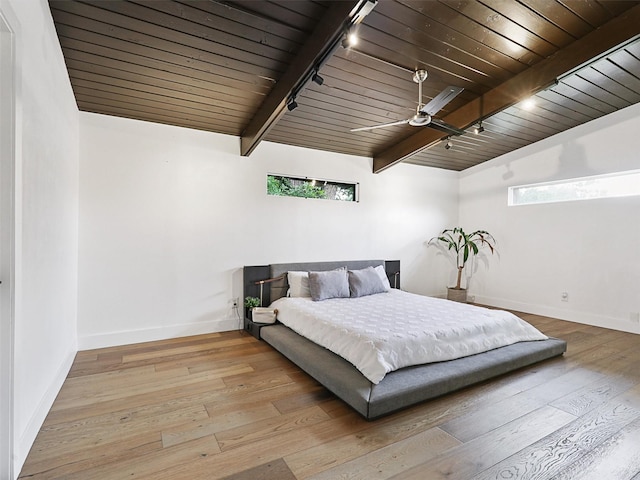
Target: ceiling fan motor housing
{"type": "Point", "coordinates": [420, 76]}
{"type": "Point", "coordinates": [420, 119]}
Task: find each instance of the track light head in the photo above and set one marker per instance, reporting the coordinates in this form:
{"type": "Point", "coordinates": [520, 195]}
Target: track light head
{"type": "Point", "coordinates": [317, 78]}
{"type": "Point", "coordinates": [449, 144]}
{"type": "Point", "coordinates": [292, 104]}
{"type": "Point", "coordinates": [350, 40]}
{"type": "Point", "coordinates": [478, 129]}
{"type": "Point", "coordinates": [364, 11]}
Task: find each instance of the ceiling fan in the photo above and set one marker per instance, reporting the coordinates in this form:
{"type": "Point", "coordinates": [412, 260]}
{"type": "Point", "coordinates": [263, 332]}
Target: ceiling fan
{"type": "Point", "coordinates": [424, 113]}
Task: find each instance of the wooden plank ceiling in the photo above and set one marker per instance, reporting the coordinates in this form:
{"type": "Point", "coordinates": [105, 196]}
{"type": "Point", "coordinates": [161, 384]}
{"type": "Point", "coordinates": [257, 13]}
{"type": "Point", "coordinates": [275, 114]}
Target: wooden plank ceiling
{"type": "Point", "coordinates": [232, 66]}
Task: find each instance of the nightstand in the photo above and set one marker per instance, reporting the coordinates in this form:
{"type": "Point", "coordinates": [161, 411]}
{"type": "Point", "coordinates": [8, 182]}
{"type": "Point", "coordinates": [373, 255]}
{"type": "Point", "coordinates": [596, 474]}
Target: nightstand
{"type": "Point", "coordinates": [254, 328]}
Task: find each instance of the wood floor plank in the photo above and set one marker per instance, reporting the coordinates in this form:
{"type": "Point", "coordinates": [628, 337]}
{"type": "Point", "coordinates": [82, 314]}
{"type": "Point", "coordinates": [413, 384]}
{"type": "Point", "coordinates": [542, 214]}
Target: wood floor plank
{"type": "Point", "coordinates": [336, 408]}
{"type": "Point", "coordinates": [277, 370]}
{"type": "Point", "coordinates": [258, 358]}
{"type": "Point", "coordinates": [137, 357]}
{"type": "Point", "coordinates": [551, 455]}
{"type": "Point", "coordinates": [269, 427]}
{"type": "Point", "coordinates": [598, 338]}
{"type": "Point", "coordinates": [202, 361]}
{"type": "Point", "coordinates": [185, 432]}
{"type": "Point", "coordinates": [167, 395]}
{"type": "Point", "coordinates": [234, 418]}
{"type": "Point", "coordinates": [345, 447]}
{"type": "Point", "coordinates": [277, 469]}
{"type": "Point", "coordinates": [616, 458]}
{"type": "Point", "coordinates": [100, 396]}
{"type": "Point", "coordinates": [483, 452]}
{"type": "Point", "coordinates": [135, 374]}
{"type": "Point", "coordinates": [250, 455]}
{"type": "Point", "coordinates": [621, 363]}
{"type": "Point", "coordinates": [624, 341]}
{"type": "Point", "coordinates": [259, 390]}
{"type": "Point", "coordinates": [592, 355]}
{"type": "Point", "coordinates": [90, 457]}
{"type": "Point", "coordinates": [481, 421]}
{"type": "Point", "coordinates": [387, 461]}
{"type": "Point", "coordinates": [313, 396]}
{"type": "Point", "coordinates": [229, 416]}
{"type": "Point", "coordinates": [587, 398]}
{"type": "Point", "coordinates": [156, 344]}
{"type": "Point", "coordinates": [152, 464]}
{"type": "Point", "coordinates": [86, 384]}
{"type": "Point", "coordinates": [107, 429]}
{"type": "Point", "coordinates": [111, 357]}
{"type": "Point", "coordinates": [87, 356]}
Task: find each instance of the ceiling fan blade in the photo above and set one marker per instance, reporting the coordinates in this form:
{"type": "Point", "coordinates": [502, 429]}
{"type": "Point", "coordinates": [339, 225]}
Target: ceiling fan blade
{"type": "Point", "coordinates": [392, 124]}
{"type": "Point", "coordinates": [440, 100]}
{"type": "Point", "coordinates": [438, 124]}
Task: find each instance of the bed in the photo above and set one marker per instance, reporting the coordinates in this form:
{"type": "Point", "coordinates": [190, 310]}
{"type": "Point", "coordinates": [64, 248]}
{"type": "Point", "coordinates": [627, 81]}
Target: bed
{"type": "Point", "coordinates": [389, 385]}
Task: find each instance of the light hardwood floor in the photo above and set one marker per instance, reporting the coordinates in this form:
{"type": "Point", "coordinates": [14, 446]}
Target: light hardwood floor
{"type": "Point", "coordinates": [228, 406]}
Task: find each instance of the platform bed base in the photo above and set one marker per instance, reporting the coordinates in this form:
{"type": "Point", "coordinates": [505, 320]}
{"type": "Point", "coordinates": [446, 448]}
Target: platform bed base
{"type": "Point", "coordinates": [407, 386]}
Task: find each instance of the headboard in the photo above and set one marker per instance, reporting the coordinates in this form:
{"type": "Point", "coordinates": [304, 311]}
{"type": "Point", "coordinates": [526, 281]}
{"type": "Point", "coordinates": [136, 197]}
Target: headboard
{"type": "Point", "coordinates": [275, 280]}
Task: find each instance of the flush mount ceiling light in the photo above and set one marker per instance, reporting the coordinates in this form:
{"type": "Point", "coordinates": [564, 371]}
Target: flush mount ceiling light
{"type": "Point", "coordinates": [528, 104]}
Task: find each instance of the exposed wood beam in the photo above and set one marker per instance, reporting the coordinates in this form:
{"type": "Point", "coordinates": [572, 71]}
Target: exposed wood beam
{"type": "Point", "coordinates": [520, 87]}
{"type": "Point", "coordinates": [275, 104]}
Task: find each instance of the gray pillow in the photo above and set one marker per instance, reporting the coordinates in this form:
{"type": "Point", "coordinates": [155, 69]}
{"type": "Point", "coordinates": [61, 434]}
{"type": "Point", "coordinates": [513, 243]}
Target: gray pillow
{"type": "Point", "coordinates": [365, 282]}
{"type": "Point", "coordinates": [331, 284]}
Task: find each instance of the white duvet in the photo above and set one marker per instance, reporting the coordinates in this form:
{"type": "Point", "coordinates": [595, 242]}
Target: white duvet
{"type": "Point", "coordinates": [384, 332]}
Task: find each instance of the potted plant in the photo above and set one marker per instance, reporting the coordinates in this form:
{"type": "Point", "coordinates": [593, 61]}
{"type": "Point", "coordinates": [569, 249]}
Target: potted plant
{"type": "Point", "coordinates": [465, 246]}
{"type": "Point", "coordinates": [249, 304]}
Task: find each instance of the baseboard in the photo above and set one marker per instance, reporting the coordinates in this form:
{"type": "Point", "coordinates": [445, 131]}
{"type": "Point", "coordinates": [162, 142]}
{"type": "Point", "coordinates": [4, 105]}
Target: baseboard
{"type": "Point", "coordinates": [584, 318]}
{"type": "Point", "coordinates": [127, 337]}
{"type": "Point", "coordinates": [26, 440]}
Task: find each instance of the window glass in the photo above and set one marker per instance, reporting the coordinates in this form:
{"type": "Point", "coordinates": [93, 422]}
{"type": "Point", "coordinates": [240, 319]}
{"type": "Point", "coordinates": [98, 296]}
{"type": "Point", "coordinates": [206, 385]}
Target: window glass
{"type": "Point", "coordinates": [619, 184]}
{"type": "Point", "coordinates": [285, 186]}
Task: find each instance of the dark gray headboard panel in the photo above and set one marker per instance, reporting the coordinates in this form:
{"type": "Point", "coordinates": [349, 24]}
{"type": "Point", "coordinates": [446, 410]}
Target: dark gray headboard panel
{"type": "Point", "coordinates": [273, 289]}
{"type": "Point", "coordinates": [279, 287]}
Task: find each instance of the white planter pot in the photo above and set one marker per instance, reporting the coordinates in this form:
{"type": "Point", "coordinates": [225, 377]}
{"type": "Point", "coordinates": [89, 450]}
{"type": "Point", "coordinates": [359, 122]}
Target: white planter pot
{"type": "Point", "coordinates": [457, 294]}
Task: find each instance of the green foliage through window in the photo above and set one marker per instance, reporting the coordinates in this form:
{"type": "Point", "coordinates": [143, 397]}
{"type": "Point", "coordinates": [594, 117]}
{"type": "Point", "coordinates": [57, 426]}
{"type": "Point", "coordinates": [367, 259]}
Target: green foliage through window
{"type": "Point", "coordinates": [310, 188]}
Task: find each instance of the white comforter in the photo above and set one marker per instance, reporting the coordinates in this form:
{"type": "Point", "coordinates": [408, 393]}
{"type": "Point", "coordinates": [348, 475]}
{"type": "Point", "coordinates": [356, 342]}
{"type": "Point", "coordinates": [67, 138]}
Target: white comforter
{"type": "Point", "coordinates": [384, 332]}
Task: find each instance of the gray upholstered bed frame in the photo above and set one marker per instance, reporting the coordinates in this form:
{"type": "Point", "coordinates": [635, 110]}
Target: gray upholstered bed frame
{"type": "Point", "coordinates": [401, 388]}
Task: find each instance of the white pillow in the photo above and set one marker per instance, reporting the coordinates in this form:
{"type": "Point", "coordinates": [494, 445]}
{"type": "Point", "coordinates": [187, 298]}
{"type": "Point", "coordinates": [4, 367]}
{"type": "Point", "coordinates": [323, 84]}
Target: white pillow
{"type": "Point", "coordinates": [383, 276]}
{"type": "Point", "coordinates": [298, 284]}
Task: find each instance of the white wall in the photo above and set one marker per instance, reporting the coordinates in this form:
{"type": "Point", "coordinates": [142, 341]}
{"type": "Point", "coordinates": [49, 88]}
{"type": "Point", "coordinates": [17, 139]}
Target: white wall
{"type": "Point", "coordinates": [7, 179]}
{"type": "Point", "coordinates": [46, 163]}
{"type": "Point", "coordinates": [169, 216]}
{"type": "Point", "coordinates": [586, 248]}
